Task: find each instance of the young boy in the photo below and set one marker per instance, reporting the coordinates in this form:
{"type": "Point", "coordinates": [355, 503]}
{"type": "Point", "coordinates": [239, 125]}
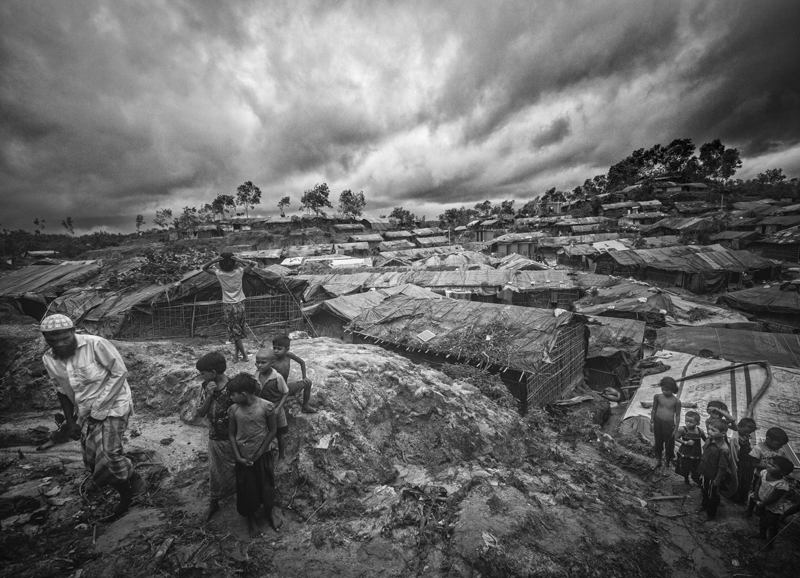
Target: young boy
{"type": "Point", "coordinates": [771, 494]}
{"type": "Point", "coordinates": [283, 361]}
{"type": "Point", "coordinates": [690, 438]}
{"type": "Point", "coordinates": [273, 388]}
{"type": "Point", "coordinates": [741, 446]}
{"type": "Point", "coordinates": [214, 403]}
{"type": "Point", "coordinates": [760, 455]}
{"type": "Point", "coordinates": [713, 466]}
{"type": "Point", "coordinates": [251, 429]}
{"type": "Point", "coordinates": [665, 417]}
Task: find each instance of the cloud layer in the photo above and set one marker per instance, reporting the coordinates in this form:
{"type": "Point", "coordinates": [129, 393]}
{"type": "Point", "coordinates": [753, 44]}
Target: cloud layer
{"type": "Point", "coordinates": [112, 109]}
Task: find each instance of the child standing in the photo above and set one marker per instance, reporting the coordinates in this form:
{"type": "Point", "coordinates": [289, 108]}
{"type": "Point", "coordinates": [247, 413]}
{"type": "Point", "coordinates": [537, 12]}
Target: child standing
{"type": "Point", "coordinates": [273, 388]}
{"type": "Point", "coordinates": [771, 503]}
{"type": "Point", "coordinates": [251, 429]}
{"type": "Point", "coordinates": [713, 466]}
{"type": "Point", "coordinates": [741, 445]}
{"type": "Point", "coordinates": [665, 418]}
{"type": "Point", "coordinates": [760, 456]}
{"type": "Point", "coordinates": [690, 438]}
{"type": "Point", "coordinates": [214, 403]}
{"type": "Point", "coordinates": [230, 275]}
{"type": "Point", "coordinates": [283, 361]}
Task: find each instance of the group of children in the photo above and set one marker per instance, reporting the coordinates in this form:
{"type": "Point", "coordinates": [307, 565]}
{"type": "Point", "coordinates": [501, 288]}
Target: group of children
{"type": "Point", "coordinates": [246, 413]}
{"type": "Point", "coordinates": [756, 474]}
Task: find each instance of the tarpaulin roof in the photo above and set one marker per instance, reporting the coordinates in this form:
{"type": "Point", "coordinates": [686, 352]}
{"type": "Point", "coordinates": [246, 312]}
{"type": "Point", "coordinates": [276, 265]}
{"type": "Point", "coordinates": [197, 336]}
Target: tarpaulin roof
{"type": "Point", "coordinates": [494, 280]}
{"type": "Point", "coordinates": [752, 387]}
{"type": "Point", "coordinates": [622, 205]}
{"type": "Point", "coordinates": [519, 338]}
{"type": "Point", "coordinates": [261, 254]}
{"type": "Point", "coordinates": [782, 349]}
{"type": "Point", "coordinates": [352, 246]}
{"type": "Point", "coordinates": [578, 250]}
{"type": "Point", "coordinates": [787, 221]}
{"type": "Point", "coordinates": [575, 239]}
{"type": "Point", "coordinates": [518, 237]}
{"type": "Point", "coordinates": [787, 236]}
{"type": "Point", "coordinates": [516, 262]}
{"type": "Point", "coordinates": [663, 241]}
{"type": "Point", "coordinates": [397, 245]}
{"type": "Point", "coordinates": [366, 238]}
{"type": "Point", "coordinates": [789, 209]}
{"type": "Point", "coordinates": [731, 235]}
{"type": "Point", "coordinates": [682, 224]}
{"type": "Point", "coordinates": [640, 298]}
{"type": "Point", "coordinates": [763, 299]}
{"type": "Point", "coordinates": [397, 234]}
{"type": "Point", "coordinates": [349, 227]}
{"type": "Point", "coordinates": [463, 259]}
{"type": "Point", "coordinates": [691, 258]}
{"type": "Point", "coordinates": [416, 253]}
{"type": "Point", "coordinates": [608, 335]}
{"type": "Point", "coordinates": [47, 279]}
{"type": "Point", "coordinates": [588, 228]}
{"type": "Point", "coordinates": [429, 241]}
{"type": "Point", "coordinates": [348, 307]}
{"type": "Point", "coordinates": [306, 250]}
{"type": "Point", "coordinates": [376, 224]}
{"type": "Point", "coordinates": [428, 232]}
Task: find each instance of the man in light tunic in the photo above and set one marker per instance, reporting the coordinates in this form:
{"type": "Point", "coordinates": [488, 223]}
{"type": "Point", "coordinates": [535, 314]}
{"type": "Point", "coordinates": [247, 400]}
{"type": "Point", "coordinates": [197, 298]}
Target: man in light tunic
{"type": "Point", "coordinates": [94, 394]}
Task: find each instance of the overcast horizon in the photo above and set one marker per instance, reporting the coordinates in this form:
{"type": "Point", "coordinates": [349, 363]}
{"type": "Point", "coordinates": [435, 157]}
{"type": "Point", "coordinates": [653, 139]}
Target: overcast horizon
{"type": "Point", "coordinates": [111, 109]}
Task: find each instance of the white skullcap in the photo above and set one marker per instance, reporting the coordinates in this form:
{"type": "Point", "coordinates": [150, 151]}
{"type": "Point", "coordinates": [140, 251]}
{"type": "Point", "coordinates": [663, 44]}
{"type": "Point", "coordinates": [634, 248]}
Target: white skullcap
{"type": "Point", "coordinates": [56, 323]}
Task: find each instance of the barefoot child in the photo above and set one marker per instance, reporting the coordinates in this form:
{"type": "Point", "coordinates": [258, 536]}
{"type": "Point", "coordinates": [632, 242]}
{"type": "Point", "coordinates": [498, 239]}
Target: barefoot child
{"type": "Point", "coordinates": [690, 439]}
{"type": "Point", "coordinates": [665, 418]}
{"type": "Point", "coordinates": [230, 275]}
{"type": "Point", "coordinates": [214, 403]}
{"type": "Point", "coordinates": [273, 389]}
{"type": "Point", "coordinates": [713, 466]}
{"type": "Point", "coordinates": [283, 360]}
{"type": "Point", "coordinates": [251, 429]}
{"type": "Point", "coordinates": [770, 498]}
{"type": "Point", "coordinates": [760, 456]}
{"type": "Point", "coordinates": [741, 446]}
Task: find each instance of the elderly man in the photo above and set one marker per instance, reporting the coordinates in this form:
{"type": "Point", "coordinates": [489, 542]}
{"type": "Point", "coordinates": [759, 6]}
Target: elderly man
{"type": "Point", "coordinates": [94, 394]}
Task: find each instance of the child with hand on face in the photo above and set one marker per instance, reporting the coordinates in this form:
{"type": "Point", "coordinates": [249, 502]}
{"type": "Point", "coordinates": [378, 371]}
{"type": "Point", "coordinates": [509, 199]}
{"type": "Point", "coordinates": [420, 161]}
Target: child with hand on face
{"type": "Point", "coordinates": [689, 438]}
{"type": "Point", "coordinates": [770, 495]}
{"type": "Point", "coordinates": [665, 418]}
{"type": "Point", "coordinates": [251, 430]}
{"type": "Point", "coordinates": [214, 403]}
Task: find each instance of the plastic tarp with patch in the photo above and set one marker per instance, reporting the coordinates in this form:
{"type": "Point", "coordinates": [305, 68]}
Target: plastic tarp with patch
{"type": "Point", "coordinates": [770, 304]}
{"type": "Point", "coordinates": [529, 334]}
{"type": "Point", "coordinates": [770, 395]}
{"type": "Point", "coordinates": [780, 349]}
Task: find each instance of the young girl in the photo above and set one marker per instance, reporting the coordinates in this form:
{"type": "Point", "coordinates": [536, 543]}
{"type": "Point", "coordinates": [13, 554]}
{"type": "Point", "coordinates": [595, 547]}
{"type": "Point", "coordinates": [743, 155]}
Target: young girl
{"type": "Point", "coordinates": [214, 403]}
{"type": "Point", "coordinates": [690, 438]}
{"type": "Point", "coordinates": [230, 276]}
{"type": "Point", "coordinates": [665, 418]}
{"type": "Point", "coordinates": [251, 430]}
{"type": "Point", "coordinates": [770, 495]}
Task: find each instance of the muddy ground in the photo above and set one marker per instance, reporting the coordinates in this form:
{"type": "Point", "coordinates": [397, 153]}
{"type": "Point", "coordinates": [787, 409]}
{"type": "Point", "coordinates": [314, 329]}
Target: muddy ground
{"type": "Point", "coordinates": [405, 471]}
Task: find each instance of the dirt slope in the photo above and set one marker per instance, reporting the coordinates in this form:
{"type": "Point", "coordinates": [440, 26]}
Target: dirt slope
{"type": "Point", "coordinates": [404, 472]}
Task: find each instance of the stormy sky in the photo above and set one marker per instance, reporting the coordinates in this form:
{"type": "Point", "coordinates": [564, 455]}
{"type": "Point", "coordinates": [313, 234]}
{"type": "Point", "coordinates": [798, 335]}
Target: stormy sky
{"type": "Point", "coordinates": [110, 109]}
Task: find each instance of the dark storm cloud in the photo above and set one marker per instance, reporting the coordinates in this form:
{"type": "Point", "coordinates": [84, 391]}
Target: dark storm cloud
{"type": "Point", "coordinates": [754, 74]}
{"type": "Point", "coordinates": [110, 109]}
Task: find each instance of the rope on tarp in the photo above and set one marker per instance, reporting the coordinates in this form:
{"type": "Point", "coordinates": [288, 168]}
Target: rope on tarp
{"type": "Point", "coordinates": [751, 406]}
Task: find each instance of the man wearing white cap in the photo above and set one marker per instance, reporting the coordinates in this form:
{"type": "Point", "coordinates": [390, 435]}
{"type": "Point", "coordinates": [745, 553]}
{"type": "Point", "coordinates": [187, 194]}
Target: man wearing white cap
{"type": "Point", "coordinates": [94, 394]}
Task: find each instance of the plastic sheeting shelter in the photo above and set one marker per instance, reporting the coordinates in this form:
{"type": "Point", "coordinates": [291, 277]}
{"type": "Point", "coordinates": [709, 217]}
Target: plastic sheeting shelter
{"type": "Point", "coordinates": [780, 349]}
{"type": "Point", "coordinates": [330, 317]}
{"type": "Point", "coordinates": [539, 354]}
{"type": "Point", "coordinates": [614, 346]}
{"type": "Point", "coordinates": [773, 305]}
{"type": "Point", "coordinates": [770, 395]}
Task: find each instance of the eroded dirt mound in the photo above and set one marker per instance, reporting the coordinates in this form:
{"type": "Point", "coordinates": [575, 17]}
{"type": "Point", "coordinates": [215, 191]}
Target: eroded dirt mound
{"type": "Point", "coordinates": [403, 472]}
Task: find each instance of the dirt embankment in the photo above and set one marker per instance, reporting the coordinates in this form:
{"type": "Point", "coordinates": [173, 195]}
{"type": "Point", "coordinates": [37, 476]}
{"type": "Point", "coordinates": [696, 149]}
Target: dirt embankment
{"type": "Point", "coordinates": [403, 472]}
